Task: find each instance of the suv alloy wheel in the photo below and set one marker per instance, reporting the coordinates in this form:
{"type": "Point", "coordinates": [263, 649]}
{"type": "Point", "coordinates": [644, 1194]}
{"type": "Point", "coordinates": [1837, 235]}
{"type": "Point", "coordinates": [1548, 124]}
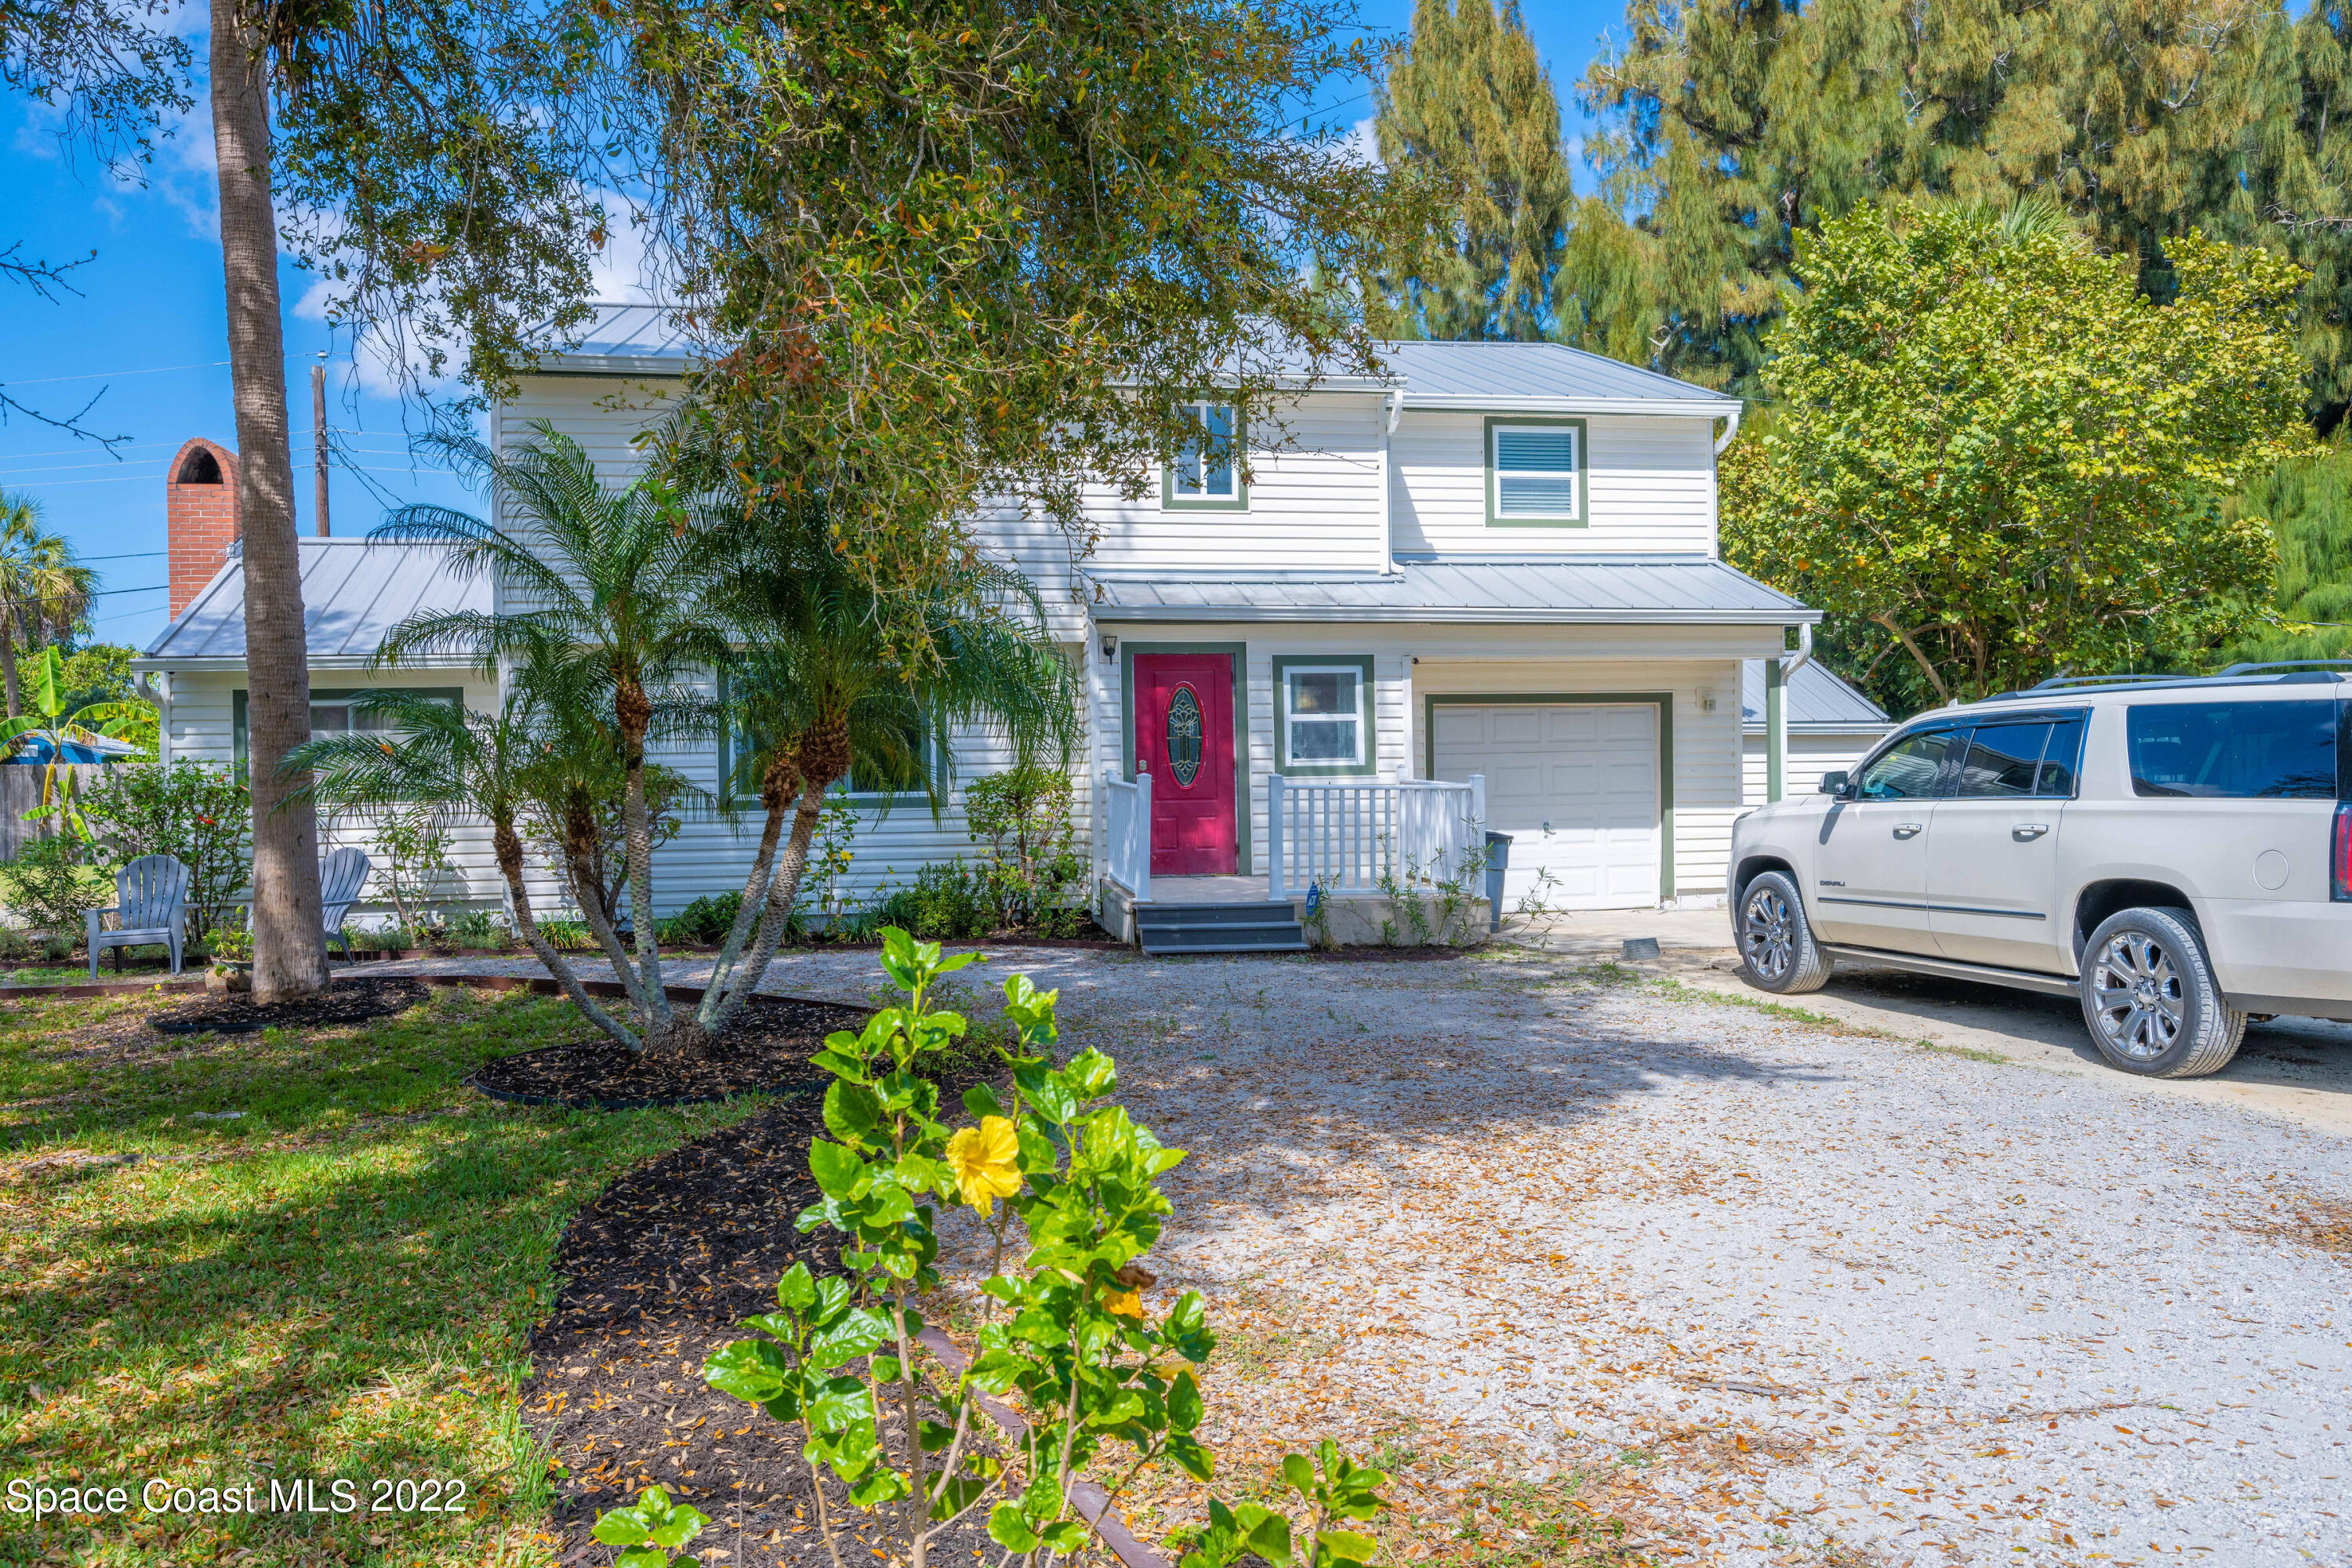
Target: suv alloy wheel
{"type": "Point", "coordinates": [1777, 952]}
{"type": "Point", "coordinates": [2150, 998]}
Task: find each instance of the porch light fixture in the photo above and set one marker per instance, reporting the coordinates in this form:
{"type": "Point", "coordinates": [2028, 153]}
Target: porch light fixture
{"type": "Point", "coordinates": [1110, 646]}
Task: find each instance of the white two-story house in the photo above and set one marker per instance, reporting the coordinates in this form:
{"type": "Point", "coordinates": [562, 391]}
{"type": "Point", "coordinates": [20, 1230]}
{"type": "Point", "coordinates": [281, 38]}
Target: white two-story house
{"type": "Point", "coordinates": [1483, 591]}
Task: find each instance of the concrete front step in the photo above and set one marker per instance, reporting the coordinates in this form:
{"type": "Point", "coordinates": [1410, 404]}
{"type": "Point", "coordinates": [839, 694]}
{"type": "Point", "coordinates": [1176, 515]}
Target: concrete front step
{"type": "Point", "coordinates": [1262, 926]}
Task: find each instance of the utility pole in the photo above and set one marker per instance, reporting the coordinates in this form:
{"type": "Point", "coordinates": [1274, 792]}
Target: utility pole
{"type": "Point", "coordinates": [318, 434]}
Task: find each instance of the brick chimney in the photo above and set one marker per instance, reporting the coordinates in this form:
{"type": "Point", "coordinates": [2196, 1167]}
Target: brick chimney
{"type": "Point", "coordinates": [200, 516]}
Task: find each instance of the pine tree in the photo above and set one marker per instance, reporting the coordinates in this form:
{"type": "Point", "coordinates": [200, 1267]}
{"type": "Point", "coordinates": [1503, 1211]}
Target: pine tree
{"type": "Point", "coordinates": [1729, 126]}
{"type": "Point", "coordinates": [1468, 106]}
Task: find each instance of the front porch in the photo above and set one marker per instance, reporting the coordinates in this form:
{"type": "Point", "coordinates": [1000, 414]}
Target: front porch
{"type": "Point", "coordinates": [1347, 862]}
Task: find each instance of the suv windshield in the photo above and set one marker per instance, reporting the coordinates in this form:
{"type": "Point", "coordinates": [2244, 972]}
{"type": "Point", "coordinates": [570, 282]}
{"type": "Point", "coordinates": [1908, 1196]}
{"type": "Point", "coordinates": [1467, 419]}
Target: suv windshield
{"type": "Point", "coordinates": [2234, 750]}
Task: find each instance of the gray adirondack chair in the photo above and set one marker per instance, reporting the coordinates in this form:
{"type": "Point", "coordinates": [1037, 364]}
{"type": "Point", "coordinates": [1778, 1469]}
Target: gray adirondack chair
{"type": "Point", "coordinates": [150, 903]}
{"type": "Point", "coordinates": [340, 877]}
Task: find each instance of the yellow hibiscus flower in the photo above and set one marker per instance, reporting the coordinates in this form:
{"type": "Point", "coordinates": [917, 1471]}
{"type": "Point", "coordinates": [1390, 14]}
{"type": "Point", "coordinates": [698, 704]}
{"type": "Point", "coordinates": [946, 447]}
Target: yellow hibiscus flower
{"type": "Point", "coordinates": [983, 1159]}
{"type": "Point", "coordinates": [1123, 1304]}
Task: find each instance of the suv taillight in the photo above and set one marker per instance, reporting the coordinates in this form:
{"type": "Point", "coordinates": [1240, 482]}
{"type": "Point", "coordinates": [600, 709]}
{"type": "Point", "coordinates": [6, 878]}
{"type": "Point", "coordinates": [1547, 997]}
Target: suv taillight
{"type": "Point", "coordinates": [2339, 860]}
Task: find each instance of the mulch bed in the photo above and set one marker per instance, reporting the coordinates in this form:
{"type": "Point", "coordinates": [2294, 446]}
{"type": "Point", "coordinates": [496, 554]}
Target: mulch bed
{"type": "Point", "coordinates": [766, 1051]}
{"type": "Point", "coordinates": [659, 1272]}
{"type": "Point", "coordinates": [344, 1002]}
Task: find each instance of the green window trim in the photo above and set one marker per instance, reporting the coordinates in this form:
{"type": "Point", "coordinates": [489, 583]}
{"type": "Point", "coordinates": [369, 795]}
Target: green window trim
{"type": "Point", "coordinates": [1662, 700]}
{"type": "Point", "coordinates": [237, 743]}
{"type": "Point", "coordinates": [1245, 806]}
{"type": "Point", "coordinates": [1367, 711]}
{"type": "Point", "coordinates": [1239, 501]}
{"type": "Point", "coordinates": [880, 801]}
{"type": "Point", "coordinates": [1579, 516]}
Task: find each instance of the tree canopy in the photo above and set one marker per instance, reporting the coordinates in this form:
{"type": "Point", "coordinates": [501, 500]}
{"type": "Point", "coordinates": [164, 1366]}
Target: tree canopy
{"type": "Point", "coordinates": [1728, 128]}
{"type": "Point", "coordinates": [1988, 445]}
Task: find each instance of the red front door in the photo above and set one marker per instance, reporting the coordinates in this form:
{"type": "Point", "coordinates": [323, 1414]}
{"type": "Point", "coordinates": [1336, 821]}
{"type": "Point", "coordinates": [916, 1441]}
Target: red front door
{"type": "Point", "coordinates": [1184, 740]}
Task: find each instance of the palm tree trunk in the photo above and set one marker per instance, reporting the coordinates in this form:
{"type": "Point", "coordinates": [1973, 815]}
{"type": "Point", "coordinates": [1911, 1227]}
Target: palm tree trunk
{"type": "Point", "coordinates": [784, 892]}
{"type": "Point", "coordinates": [8, 664]}
{"type": "Point", "coordinates": [289, 948]}
{"type": "Point", "coordinates": [505, 845]}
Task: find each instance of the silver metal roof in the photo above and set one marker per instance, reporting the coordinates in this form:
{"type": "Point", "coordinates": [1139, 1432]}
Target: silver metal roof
{"type": "Point", "coordinates": [354, 591]}
{"type": "Point", "coordinates": [646, 340]}
{"type": "Point", "coordinates": [1613, 590]}
{"type": "Point", "coordinates": [1818, 698]}
{"type": "Point", "coordinates": [1486, 374]}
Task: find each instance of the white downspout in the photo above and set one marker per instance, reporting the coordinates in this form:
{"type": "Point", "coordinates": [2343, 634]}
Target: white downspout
{"type": "Point", "coordinates": [1388, 484]}
{"type": "Point", "coordinates": [1730, 428]}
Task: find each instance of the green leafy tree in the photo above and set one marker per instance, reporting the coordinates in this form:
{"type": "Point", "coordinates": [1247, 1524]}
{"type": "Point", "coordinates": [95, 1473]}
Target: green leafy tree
{"type": "Point", "coordinates": [2308, 502]}
{"type": "Point", "coordinates": [1990, 445]}
{"type": "Point", "coordinates": [1468, 107]}
{"type": "Point", "coordinates": [942, 262]}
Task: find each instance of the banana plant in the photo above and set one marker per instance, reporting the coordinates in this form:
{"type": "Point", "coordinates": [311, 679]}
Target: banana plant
{"type": "Point", "coordinates": [43, 679]}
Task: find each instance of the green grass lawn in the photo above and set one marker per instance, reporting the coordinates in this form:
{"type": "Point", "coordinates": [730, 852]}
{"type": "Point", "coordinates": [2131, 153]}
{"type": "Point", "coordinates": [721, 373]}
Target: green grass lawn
{"type": "Point", "coordinates": [324, 1265]}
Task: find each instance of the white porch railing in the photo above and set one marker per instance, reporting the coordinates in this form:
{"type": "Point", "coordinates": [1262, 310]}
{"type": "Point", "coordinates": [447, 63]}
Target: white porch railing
{"type": "Point", "coordinates": [1128, 831]}
{"type": "Point", "coordinates": [1349, 836]}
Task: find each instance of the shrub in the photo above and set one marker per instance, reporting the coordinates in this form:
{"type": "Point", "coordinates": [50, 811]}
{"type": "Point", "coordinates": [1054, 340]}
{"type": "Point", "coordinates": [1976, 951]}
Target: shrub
{"type": "Point", "coordinates": [705, 921]}
{"type": "Point", "coordinates": [200, 815]}
{"type": "Point", "coordinates": [948, 901]}
{"type": "Point", "coordinates": [412, 858]}
{"type": "Point", "coordinates": [478, 929]}
{"type": "Point", "coordinates": [1023, 816]}
{"type": "Point", "coordinates": [567, 936]}
{"type": "Point", "coordinates": [52, 881]}
{"type": "Point", "coordinates": [1066, 1332]}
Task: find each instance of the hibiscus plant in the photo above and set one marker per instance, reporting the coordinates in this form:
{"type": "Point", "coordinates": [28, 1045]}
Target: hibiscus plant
{"type": "Point", "coordinates": [1097, 1373]}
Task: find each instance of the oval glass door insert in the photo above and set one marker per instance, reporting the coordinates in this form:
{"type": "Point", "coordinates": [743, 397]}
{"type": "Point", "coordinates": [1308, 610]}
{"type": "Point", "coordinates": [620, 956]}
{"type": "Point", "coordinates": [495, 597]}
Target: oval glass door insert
{"type": "Point", "coordinates": [1184, 736]}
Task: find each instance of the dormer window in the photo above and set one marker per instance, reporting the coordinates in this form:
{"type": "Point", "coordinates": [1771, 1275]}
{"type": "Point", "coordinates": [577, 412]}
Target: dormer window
{"type": "Point", "coordinates": [1207, 472]}
{"type": "Point", "coordinates": [1535, 472]}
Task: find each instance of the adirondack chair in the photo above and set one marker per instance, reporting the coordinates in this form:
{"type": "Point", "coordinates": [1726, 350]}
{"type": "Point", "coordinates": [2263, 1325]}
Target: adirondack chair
{"type": "Point", "coordinates": [340, 877]}
{"type": "Point", "coordinates": [150, 898]}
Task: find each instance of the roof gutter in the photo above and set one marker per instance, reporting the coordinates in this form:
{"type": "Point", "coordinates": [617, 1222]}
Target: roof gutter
{"type": "Point", "coordinates": [1351, 615]}
{"type": "Point", "coordinates": [1730, 428]}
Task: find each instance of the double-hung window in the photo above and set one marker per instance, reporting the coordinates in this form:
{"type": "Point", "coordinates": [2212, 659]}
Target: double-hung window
{"type": "Point", "coordinates": [1207, 472]}
{"type": "Point", "coordinates": [1535, 472]}
{"type": "Point", "coordinates": [343, 712]}
{"type": "Point", "coordinates": [1326, 725]}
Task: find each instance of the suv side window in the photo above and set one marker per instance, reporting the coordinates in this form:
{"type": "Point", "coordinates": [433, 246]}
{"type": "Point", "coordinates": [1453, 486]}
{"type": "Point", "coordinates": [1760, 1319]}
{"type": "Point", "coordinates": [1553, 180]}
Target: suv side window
{"type": "Point", "coordinates": [1911, 769]}
{"type": "Point", "coordinates": [2233, 751]}
{"type": "Point", "coordinates": [2004, 762]}
{"type": "Point", "coordinates": [2062, 759]}
{"type": "Point", "coordinates": [2020, 759]}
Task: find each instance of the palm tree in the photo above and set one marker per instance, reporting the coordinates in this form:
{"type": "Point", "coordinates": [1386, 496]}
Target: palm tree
{"type": "Point", "coordinates": [612, 583]}
{"type": "Point", "coordinates": [45, 591]}
{"type": "Point", "coordinates": [289, 949]}
{"type": "Point", "coordinates": [444, 754]}
{"type": "Point", "coordinates": [834, 674]}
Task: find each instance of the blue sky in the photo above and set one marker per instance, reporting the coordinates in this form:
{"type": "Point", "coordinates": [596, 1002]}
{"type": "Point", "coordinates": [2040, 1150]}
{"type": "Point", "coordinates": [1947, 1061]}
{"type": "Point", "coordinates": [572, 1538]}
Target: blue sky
{"type": "Point", "coordinates": [148, 330]}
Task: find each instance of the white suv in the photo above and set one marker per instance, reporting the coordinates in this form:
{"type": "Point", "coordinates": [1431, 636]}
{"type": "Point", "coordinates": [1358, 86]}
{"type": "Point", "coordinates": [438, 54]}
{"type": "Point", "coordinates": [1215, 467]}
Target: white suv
{"type": "Point", "coordinates": [2176, 853]}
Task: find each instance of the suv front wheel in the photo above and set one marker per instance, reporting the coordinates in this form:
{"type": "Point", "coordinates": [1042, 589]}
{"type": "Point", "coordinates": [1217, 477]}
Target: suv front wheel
{"type": "Point", "coordinates": [2150, 998]}
{"type": "Point", "coordinates": [1777, 952]}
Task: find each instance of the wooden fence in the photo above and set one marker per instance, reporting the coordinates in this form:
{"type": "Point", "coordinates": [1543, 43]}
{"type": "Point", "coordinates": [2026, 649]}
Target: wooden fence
{"type": "Point", "coordinates": [20, 791]}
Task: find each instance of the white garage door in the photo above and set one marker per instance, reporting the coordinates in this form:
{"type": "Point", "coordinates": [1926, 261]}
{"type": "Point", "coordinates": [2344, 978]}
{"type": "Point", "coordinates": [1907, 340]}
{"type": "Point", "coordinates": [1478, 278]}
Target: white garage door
{"type": "Point", "coordinates": [1575, 784]}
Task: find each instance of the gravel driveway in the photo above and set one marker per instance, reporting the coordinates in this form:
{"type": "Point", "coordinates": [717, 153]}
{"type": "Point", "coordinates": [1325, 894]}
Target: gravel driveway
{"type": "Point", "coordinates": [1584, 1247]}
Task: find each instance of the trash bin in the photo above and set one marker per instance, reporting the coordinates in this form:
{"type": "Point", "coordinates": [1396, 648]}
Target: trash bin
{"type": "Point", "coordinates": [1499, 860]}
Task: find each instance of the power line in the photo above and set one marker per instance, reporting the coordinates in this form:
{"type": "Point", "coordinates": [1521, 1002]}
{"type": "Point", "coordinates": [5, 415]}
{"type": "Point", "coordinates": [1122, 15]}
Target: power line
{"type": "Point", "coordinates": [133, 555]}
{"type": "Point", "coordinates": [149, 588]}
{"type": "Point", "coordinates": [111, 374]}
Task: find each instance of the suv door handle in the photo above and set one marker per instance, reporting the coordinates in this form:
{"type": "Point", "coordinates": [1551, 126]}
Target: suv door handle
{"type": "Point", "coordinates": [1908, 829]}
{"type": "Point", "coordinates": [2027, 832]}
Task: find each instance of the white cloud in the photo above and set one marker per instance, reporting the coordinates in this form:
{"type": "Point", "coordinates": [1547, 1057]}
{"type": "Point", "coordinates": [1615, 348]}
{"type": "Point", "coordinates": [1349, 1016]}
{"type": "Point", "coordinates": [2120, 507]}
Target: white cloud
{"type": "Point", "coordinates": [622, 272]}
{"type": "Point", "coordinates": [1363, 143]}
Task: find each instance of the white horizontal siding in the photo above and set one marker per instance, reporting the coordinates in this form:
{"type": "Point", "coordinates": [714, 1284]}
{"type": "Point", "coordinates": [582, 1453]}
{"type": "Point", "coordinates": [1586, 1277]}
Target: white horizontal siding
{"type": "Point", "coordinates": [1810, 756]}
{"type": "Point", "coordinates": [1649, 489]}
